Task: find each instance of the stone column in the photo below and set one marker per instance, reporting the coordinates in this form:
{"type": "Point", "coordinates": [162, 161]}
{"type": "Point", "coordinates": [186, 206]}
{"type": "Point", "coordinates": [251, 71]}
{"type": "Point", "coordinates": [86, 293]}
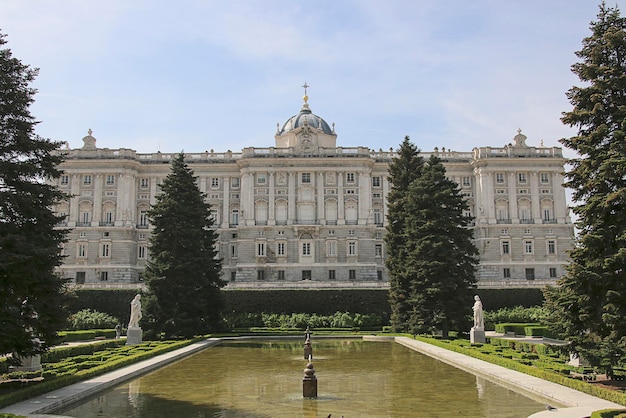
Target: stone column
{"type": "Point", "coordinates": [513, 215]}
{"type": "Point", "coordinates": [534, 196]}
{"type": "Point", "coordinates": [271, 201]}
{"type": "Point", "coordinates": [320, 198]}
{"type": "Point", "coordinates": [75, 194]}
{"type": "Point", "coordinates": [226, 204]}
{"type": "Point", "coordinates": [97, 200]}
{"type": "Point", "coordinates": [366, 215]}
{"type": "Point", "coordinates": [291, 205]}
{"type": "Point", "coordinates": [341, 217]}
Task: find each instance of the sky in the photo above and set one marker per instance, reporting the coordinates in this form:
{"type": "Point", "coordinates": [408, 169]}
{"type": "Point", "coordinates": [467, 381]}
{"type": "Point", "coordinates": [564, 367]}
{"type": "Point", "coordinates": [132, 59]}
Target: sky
{"type": "Point", "coordinates": [191, 76]}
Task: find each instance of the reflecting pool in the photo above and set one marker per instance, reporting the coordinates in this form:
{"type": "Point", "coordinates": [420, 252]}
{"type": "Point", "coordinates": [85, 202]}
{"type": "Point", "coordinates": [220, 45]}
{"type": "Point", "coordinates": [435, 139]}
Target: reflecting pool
{"type": "Point", "coordinates": [264, 379]}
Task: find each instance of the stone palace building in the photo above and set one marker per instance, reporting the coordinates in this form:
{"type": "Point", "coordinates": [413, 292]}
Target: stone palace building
{"type": "Point", "coordinates": [307, 213]}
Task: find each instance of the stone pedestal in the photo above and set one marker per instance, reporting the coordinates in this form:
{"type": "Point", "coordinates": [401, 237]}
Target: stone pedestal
{"type": "Point", "coordinates": [134, 336]}
{"type": "Point", "coordinates": [477, 335]}
{"type": "Point", "coordinates": [309, 382]}
{"type": "Point", "coordinates": [28, 364]}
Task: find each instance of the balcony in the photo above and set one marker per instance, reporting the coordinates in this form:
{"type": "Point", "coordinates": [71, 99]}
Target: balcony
{"type": "Point", "coordinates": [549, 221]}
{"type": "Point", "coordinates": [107, 223]}
{"type": "Point", "coordinates": [527, 221]}
{"type": "Point", "coordinates": [83, 223]}
{"type": "Point", "coordinates": [503, 221]}
{"type": "Point", "coordinates": [142, 226]}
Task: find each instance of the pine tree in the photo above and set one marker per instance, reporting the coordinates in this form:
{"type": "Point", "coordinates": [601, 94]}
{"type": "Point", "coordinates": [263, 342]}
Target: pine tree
{"type": "Point", "coordinates": [183, 274]}
{"type": "Point", "coordinates": [32, 296]}
{"type": "Point", "coordinates": [589, 304]}
{"type": "Point", "coordinates": [431, 255]}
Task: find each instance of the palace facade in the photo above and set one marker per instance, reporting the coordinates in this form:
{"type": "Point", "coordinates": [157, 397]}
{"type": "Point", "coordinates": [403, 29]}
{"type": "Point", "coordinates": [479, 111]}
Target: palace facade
{"type": "Point", "coordinates": [308, 213]}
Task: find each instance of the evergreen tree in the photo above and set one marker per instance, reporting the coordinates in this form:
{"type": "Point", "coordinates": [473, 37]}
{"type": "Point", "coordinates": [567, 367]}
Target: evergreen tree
{"type": "Point", "coordinates": [183, 274]}
{"type": "Point", "coordinates": [403, 169]}
{"type": "Point", "coordinates": [31, 295]}
{"type": "Point", "coordinates": [589, 305]}
{"type": "Point", "coordinates": [431, 254]}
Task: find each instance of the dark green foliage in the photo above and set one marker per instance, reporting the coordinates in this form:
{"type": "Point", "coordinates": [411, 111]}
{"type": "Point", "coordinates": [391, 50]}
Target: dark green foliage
{"type": "Point", "coordinates": [321, 302]}
{"type": "Point", "coordinates": [114, 302]}
{"type": "Point", "coordinates": [516, 314]}
{"type": "Point", "coordinates": [183, 273]}
{"type": "Point", "coordinates": [589, 306]}
{"type": "Point", "coordinates": [90, 319]}
{"type": "Point", "coordinates": [494, 299]}
{"type": "Point", "coordinates": [31, 295]}
{"type": "Point", "coordinates": [431, 255]}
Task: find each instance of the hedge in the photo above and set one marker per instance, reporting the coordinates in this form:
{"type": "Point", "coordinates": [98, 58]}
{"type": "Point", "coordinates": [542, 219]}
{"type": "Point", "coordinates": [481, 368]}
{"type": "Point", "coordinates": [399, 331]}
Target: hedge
{"type": "Point", "coordinates": [116, 302]}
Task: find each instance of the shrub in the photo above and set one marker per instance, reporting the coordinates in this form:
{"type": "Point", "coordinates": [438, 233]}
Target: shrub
{"type": "Point", "coordinates": [89, 319]}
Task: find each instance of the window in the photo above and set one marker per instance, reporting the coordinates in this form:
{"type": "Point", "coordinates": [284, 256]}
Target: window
{"type": "Point", "coordinates": [352, 274]}
{"type": "Point", "coordinates": [280, 248]}
{"type": "Point", "coordinates": [375, 181]}
{"type": "Point", "coordinates": [379, 274]}
{"type": "Point", "coordinates": [551, 247]}
{"type": "Point", "coordinates": [82, 234]}
{"type": "Point", "coordinates": [233, 251]}
{"type": "Point", "coordinates": [547, 214]}
{"type": "Point", "coordinates": [86, 216]}
{"type": "Point", "coordinates": [281, 275]}
{"type": "Point", "coordinates": [530, 274]}
{"type": "Point", "coordinates": [466, 181]}
{"type": "Point", "coordinates": [506, 273]}
{"type": "Point", "coordinates": [87, 180]}
{"type": "Point", "coordinates": [351, 232]}
{"type": "Point", "coordinates": [331, 248]}
{"type": "Point", "coordinates": [215, 182]}
{"type": "Point", "coordinates": [233, 276]}
{"type": "Point", "coordinates": [528, 247]}
{"type": "Point", "coordinates": [143, 218]}
{"type": "Point", "coordinates": [141, 252]}
{"type": "Point", "coordinates": [378, 250]}
{"type": "Point", "coordinates": [104, 276]}
{"type": "Point", "coordinates": [110, 179]}
{"type": "Point", "coordinates": [306, 177]}
{"type": "Point", "coordinates": [521, 178]}
{"type": "Point", "coordinates": [234, 217]}
{"type": "Point", "coordinates": [141, 236]}
{"type": "Point", "coordinates": [261, 178]}
{"type": "Point", "coordinates": [378, 217]}
{"type": "Point", "coordinates": [143, 183]}
{"type": "Point", "coordinates": [506, 248]}
{"type": "Point", "coordinates": [65, 180]}
{"type": "Point", "coordinates": [331, 232]}
{"type": "Point", "coordinates": [351, 248]}
{"type": "Point", "coordinates": [235, 182]}
{"type": "Point", "coordinates": [260, 274]}
{"type": "Point", "coordinates": [281, 232]}
{"type": "Point", "coordinates": [80, 277]}
{"type": "Point", "coordinates": [261, 233]}
{"type": "Point", "coordinates": [552, 272]}
{"type": "Point", "coordinates": [527, 231]}
{"type": "Point", "coordinates": [260, 249]}
{"type": "Point", "coordinates": [504, 231]}
{"type": "Point", "coordinates": [106, 234]}
{"type": "Point", "coordinates": [105, 250]}
{"type": "Point", "coordinates": [108, 217]}
{"type": "Point", "coordinates": [331, 275]}
{"type": "Point", "coordinates": [306, 248]}
{"type": "Point", "coordinates": [500, 178]}
{"type": "Point", "coordinates": [350, 177]}
{"type": "Point", "coordinates": [544, 178]}
{"type": "Point", "coordinates": [82, 250]}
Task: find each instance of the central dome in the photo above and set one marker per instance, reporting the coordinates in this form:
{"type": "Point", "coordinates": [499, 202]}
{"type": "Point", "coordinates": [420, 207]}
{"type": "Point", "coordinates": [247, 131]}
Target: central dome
{"type": "Point", "coordinates": [305, 116]}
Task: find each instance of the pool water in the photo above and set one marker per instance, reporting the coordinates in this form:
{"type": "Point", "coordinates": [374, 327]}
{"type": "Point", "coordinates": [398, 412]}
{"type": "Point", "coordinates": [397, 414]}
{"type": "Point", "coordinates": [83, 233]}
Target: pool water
{"type": "Point", "coordinates": [264, 379]}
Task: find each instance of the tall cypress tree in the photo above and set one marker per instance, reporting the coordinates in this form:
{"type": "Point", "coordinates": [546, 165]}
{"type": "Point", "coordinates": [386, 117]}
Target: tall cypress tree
{"type": "Point", "coordinates": [431, 255]}
{"type": "Point", "coordinates": [440, 255]}
{"type": "Point", "coordinates": [589, 305]}
{"type": "Point", "coordinates": [31, 295]}
{"type": "Point", "coordinates": [183, 273]}
{"type": "Point", "coordinates": [403, 169]}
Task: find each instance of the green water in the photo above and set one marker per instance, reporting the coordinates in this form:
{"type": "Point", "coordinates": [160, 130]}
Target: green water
{"type": "Point", "coordinates": [264, 379]}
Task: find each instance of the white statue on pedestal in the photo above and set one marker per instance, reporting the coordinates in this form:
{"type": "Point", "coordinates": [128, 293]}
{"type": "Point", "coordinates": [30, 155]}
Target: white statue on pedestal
{"type": "Point", "coordinates": [135, 312]}
{"type": "Point", "coordinates": [479, 322]}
